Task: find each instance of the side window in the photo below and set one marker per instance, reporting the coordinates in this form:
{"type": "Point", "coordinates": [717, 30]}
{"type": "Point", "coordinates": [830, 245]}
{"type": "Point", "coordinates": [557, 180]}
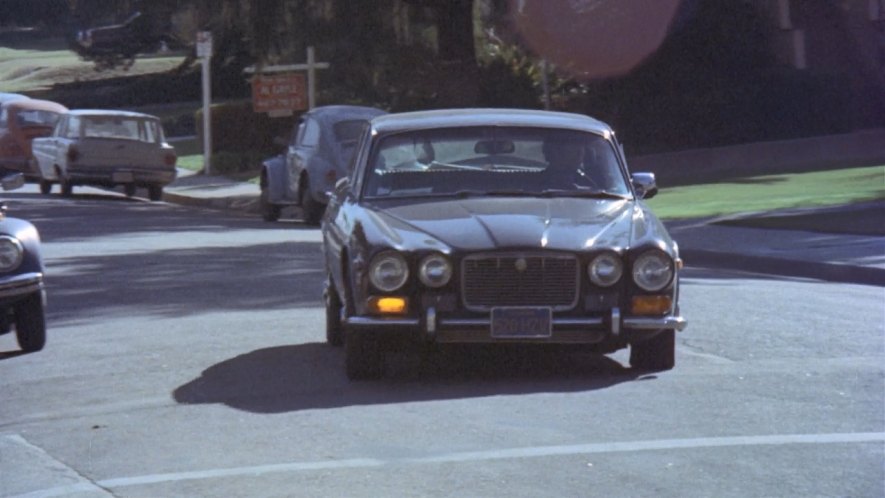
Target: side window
{"type": "Point", "coordinates": [311, 135]}
{"type": "Point", "coordinates": [73, 128]}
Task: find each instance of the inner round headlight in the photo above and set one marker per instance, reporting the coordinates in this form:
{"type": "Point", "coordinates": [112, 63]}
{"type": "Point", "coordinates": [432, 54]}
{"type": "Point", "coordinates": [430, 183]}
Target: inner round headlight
{"type": "Point", "coordinates": [653, 270]}
{"type": "Point", "coordinates": [11, 253]}
{"type": "Point", "coordinates": [605, 270]}
{"type": "Point", "coordinates": [435, 270]}
{"type": "Point", "coordinates": [388, 271]}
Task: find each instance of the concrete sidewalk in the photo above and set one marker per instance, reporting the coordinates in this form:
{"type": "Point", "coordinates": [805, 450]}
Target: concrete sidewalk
{"type": "Point", "coordinates": [713, 243]}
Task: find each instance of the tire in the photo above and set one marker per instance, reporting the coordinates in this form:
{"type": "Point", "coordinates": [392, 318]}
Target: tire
{"type": "Point", "coordinates": [334, 327]}
{"type": "Point", "coordinates": [129, 189]}
{"type": "Point", "coordinates": [155, 193]}
{"type": "Point", "coordinates": [363, 358]}
{"type": "Point", "coordinates": [269, 212]}
{"type": "Point", "coordinates": [30, 323]}
{"type": "Point", "coordinates": [45, 187]}
{"type": "Point", "coordinates": [655, 354]}
{"type": "Point", "coordinates": [67, 188]}
{"type": "Point", "coordinates": [313, 210]}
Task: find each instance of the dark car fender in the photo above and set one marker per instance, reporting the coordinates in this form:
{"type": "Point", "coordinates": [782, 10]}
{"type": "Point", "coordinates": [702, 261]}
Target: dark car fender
{"type": "Point", "coordinates": [27, 234]}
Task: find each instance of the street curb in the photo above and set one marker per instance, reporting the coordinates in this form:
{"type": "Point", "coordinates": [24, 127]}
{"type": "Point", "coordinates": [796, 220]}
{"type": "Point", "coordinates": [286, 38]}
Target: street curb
{"type": "Point", "coordinates": [245, 203]}
{"type": "Point", "coordinates": [831, 272]}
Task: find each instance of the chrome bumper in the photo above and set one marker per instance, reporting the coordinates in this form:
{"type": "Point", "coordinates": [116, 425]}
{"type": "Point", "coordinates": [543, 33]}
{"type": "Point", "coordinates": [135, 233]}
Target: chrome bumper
{"type": "Point", "coordinates": [116, 175]}
{"type": "Point", "coordinates": [564, 329]}
{"type": "Point", "coordinates": [21, 285]}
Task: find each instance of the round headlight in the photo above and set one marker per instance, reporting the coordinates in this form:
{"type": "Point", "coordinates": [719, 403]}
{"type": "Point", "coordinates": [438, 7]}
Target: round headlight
{"type": "Point", "coordinates": [435, 270]}
{"type": "Point", "coordinates": [388, 271]}
{"type": "Point", "coordinates": [11, 253]}
{"type": "Point", "coordinates": [653, 270]}
{"type": "Point", "coordinates": [605, 270]}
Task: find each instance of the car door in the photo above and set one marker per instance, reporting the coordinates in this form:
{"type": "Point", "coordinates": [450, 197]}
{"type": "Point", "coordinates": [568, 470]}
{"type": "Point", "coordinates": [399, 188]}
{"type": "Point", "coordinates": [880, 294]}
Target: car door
{"type": "Point", "coordinates": [300, 152]}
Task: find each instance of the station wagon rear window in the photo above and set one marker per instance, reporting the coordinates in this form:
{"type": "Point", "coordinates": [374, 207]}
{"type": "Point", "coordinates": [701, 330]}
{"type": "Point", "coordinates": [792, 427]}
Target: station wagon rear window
{"type": "Point", "coordinates": [121, 128]}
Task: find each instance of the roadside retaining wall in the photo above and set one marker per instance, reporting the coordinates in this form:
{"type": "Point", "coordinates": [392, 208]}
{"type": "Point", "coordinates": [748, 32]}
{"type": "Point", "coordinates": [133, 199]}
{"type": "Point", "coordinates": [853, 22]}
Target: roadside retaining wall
{"type": "Point", "coordinates": [861, 148]}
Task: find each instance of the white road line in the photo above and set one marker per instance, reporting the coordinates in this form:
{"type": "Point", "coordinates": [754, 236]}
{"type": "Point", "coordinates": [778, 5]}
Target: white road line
{"type": "Point", "coordinates": [503, 454]}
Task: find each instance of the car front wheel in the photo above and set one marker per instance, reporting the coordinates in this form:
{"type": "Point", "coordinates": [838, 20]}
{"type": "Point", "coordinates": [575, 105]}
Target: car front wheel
{"type": "Point", "coordinates": [363, 357]}
{"type": "Point", "coordinates": [30, 323]}
{"type": "Point", "coordinates": [655, 354]}
{"type": "Point", "coordinates": [334, 327]}
{"type": "Point", "coordinates": [45, 187]}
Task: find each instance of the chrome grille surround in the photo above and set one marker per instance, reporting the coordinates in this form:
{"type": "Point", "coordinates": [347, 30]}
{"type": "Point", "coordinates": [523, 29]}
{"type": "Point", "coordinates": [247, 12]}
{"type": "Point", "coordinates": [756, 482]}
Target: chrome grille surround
{"type": "Point", "coordinates": [546, 279]}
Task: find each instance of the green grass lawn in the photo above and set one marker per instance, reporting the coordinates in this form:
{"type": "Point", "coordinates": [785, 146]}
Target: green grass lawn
{"type": "Point", "coordinates": [767, 193]}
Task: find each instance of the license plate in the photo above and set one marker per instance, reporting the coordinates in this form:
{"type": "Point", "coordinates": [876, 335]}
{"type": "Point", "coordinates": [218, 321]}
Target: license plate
{"type": "Point", "coordinates": [521, 322]}
{"type": "Point", "coordinates": [122, 177]}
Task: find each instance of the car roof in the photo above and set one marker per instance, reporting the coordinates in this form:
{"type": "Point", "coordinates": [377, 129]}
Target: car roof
{"type": "Point", "coordinates": [446, 118]}
{"type": "Point", "coordinates": [108, 112]}
{"type": "Point", "coordinates": [36, 104]}
{"type": "Point", "coordinates": [332, 113]}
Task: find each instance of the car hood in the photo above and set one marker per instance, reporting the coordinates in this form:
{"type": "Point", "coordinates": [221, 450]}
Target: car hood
{"type": "Point", "coordinates": [566, 224]}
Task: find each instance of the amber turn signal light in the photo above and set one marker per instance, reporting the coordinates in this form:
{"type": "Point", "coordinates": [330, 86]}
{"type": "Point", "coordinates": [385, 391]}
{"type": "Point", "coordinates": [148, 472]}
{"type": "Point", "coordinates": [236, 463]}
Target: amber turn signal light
{"type": "Point", "coordinates": [651, 305]}
{"type": "Point", "coordinates": [388, 305]}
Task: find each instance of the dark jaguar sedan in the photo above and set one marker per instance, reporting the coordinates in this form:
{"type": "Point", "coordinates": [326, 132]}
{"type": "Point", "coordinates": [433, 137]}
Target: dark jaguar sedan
{"type": "Point", "coordinates": [497, 226]}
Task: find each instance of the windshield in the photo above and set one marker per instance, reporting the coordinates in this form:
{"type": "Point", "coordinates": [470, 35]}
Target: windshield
{"type": "Point", "coordinates": [124, 128]}
{"type": "Point", "coordinates": [35, 117]}
{"type": "Point", "coordinates": [494, 160]}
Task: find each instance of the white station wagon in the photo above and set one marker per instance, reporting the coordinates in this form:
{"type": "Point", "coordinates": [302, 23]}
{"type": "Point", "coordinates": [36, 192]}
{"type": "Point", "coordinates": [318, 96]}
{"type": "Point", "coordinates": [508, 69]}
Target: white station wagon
{"type": "Point", "coordinates": [106, 148]}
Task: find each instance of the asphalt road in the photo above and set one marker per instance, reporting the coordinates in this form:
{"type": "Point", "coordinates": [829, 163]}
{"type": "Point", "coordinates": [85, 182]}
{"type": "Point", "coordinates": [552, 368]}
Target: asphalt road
{"type": "Point", "coordinates": [186, 358]}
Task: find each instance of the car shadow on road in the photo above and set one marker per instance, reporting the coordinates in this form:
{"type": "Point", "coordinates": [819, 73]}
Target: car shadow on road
{"type": "Point", "coordinates": [311, 376]}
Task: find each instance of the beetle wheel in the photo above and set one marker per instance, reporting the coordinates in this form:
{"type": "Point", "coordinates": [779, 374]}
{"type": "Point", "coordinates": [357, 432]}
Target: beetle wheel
{"type": "Point", "coordinates": [655, 354]}
{"type": "Point", "coordinates": [269, 212]}
{"type": "Point", "coordinates": [313, 210]}
{"type": "Point", "coordinates": [30, 323]}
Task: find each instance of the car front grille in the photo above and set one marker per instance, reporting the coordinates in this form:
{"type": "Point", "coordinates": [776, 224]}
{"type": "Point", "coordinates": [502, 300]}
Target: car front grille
{"type": "Point", "coordinates": [517, 279]}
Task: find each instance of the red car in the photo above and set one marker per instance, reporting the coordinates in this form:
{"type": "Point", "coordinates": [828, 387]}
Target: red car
{"type": "Point", "coordinates": [21, 121]}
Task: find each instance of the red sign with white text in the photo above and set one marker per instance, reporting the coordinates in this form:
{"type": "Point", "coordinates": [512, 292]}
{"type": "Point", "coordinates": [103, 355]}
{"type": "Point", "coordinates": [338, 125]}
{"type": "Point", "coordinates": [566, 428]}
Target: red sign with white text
{"type": "Point", "coordinates": [279, 93]}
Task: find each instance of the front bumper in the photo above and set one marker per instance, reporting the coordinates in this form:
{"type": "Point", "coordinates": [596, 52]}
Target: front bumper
{"type": "Point", "coordinates": [564, 330]}
{"type": "Point", "coordinates": [18, 286]}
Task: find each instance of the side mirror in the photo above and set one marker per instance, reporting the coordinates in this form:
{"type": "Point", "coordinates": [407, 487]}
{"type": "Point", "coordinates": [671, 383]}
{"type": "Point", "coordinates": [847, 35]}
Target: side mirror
{"type": "Point", "coordinates": [13, 181]}
{"type": "Point", "coordinates": [645, 185]}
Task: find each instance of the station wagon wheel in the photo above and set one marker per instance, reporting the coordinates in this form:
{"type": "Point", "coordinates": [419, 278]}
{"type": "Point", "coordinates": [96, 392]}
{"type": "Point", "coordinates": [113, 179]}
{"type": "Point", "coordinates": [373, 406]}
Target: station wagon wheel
{"type": "Point", "coordinates": [334, 327]}
{"type": "Point", "coordinates": [363, 357]}
{"type": "Point", "coordinates": [655, 354]}
{"type": "Point", "coordinates": [313, 210]}
{"type": "Point", "coordinates": [155, 192]}
{"type": "Point", "coordinates": [67, 188]}
{"type": "Point", "coordinates": [30, 323]}
{"type": "Point", "coordinates": [45, 187]}
{"type": "Point", "coordinates": [269, 212]}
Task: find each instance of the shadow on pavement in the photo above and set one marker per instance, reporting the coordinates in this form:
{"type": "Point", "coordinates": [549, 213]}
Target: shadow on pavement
{"type": "Point", "coordinates": [311, 376]}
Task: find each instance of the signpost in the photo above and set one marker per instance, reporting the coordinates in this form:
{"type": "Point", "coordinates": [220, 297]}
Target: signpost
{"type": "Point", "coordinates": [204, 52]}
{"type": "Point", "coordinates": [278, 91]}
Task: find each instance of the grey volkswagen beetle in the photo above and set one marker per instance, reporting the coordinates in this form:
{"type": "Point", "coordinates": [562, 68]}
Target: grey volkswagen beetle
{"type": "Point", "coordinates": [22, 293]}
{"type": "Point", "coordinates": [317, 155]}
{"type": "Point", "coordinates": [497, 226]}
